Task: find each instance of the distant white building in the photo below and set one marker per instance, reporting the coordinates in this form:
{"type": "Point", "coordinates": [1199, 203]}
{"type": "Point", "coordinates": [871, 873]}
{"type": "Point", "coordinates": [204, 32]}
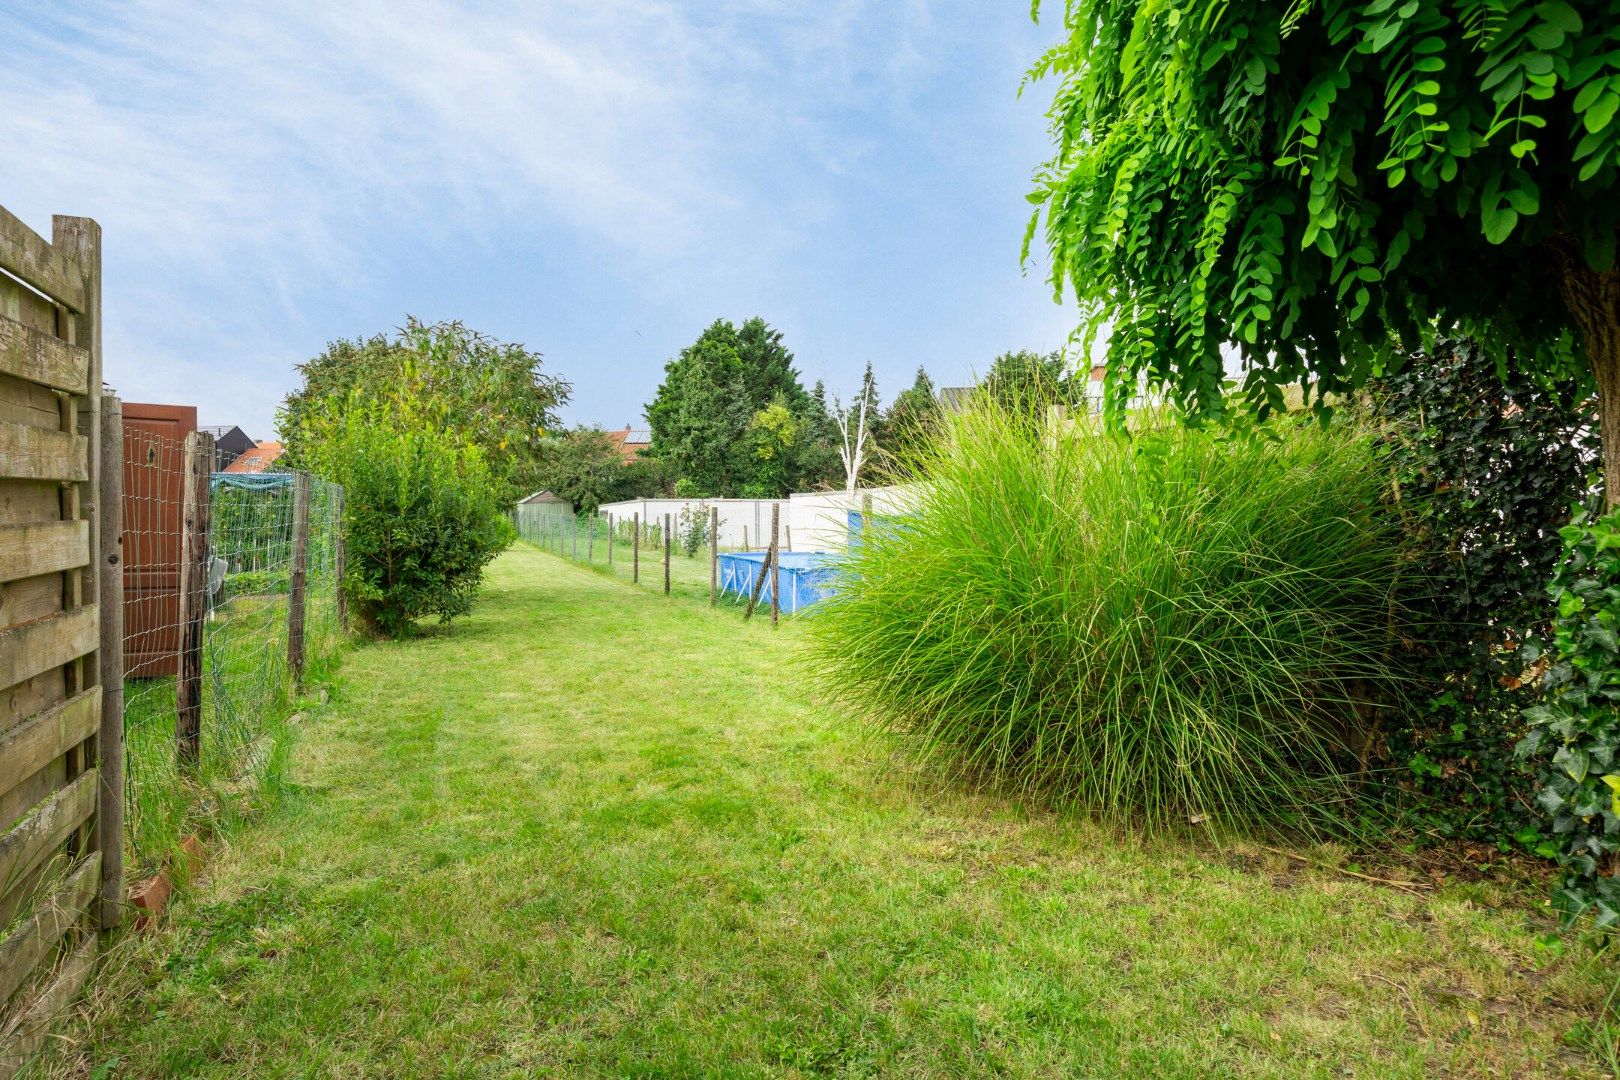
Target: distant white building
{"type": "Point", "coordinates": [809, 521]}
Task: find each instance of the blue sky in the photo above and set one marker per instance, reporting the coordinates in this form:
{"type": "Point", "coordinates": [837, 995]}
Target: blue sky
{"type": "Point", "coordinates": [597, 179]}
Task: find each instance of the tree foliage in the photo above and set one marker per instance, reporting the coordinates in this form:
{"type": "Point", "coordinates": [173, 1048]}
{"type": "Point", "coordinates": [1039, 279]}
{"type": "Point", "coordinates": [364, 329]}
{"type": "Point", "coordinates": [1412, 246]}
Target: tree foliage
{"type": "Point", "coordinates": [911, 419]}
{"type": "Point", "coordinates": [1486, 461]}
{"type": "Point", "coordinates": [1323, 183]}
{"type": "Point", "coordinates": [728, 417]}
{"type": "Point", "coordinates": [1019, 377]}
{"type": "Point", "coordinates": [491, 393]}
{"type": "Point", "coordinates": [586, 468]}
{"type": "Point", "coordinates": [423, 514]}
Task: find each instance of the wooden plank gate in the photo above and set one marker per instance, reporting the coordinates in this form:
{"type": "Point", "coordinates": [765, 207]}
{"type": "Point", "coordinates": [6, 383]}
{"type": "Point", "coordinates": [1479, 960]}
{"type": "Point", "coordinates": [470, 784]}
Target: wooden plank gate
{"type": "Point", "coordinates": [61, 692]}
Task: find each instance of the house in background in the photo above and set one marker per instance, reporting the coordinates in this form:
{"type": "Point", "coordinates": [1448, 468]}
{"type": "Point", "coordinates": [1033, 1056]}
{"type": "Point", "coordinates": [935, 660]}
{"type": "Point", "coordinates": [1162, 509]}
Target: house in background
{"type": "Point", "coordinates": [629, 442]}
{"type": "Point", "coordinates": [257, 458]}
{"type": "Point", "coordinates": [230, 443]}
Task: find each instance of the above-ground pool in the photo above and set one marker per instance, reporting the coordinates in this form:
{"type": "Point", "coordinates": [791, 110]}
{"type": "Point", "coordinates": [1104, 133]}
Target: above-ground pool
{"type": "Point", "coordinates": [807, 576]}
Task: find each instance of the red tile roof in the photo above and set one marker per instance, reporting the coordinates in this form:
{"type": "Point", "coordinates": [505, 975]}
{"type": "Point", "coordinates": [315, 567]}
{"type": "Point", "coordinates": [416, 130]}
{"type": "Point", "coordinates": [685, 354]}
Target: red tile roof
{"type": "Point", "coordinates": [630, 442]}
{"type": "Point", "coordinates": [257, 459]}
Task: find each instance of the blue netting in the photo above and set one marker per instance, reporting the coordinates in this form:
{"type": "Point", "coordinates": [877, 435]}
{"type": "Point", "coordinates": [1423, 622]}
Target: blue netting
{"type": "Point", "coordinates": [250, 481]}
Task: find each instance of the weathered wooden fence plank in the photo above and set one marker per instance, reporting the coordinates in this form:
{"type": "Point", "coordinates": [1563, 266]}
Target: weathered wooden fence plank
{"type": "Point", "coordinates": [43, 547]}
{"type": "Point", "coordinates": [26, 254]}
{"type": "Point", "coordinates": [32, 453]}
{"type": "Point", "coordinates": [39, 646]}
{"type": "Point", "coordinates": [53, 649]}
{"type": "Point", "coordinates": [36, 742]}
{"type": "Point", "coordinates": [48, 826]}
{"type": "Point", "coordinates": [198, 510]}
{"type": "Point", "coordinates": [27, 1034]}
{"type": "Point", "coordinates": [33, 940]}
{"type": "Point", "coordinates": [43, 358]}
{"type": "Point", "coordinates": [109, 837]}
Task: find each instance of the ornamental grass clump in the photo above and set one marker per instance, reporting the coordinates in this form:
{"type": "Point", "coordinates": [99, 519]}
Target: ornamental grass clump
{"type": "Point", "coordinates": [1178, 624]}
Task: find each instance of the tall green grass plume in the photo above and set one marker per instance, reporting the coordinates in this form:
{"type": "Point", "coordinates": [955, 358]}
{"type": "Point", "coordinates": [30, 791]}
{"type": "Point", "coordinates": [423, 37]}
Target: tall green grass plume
{"type": "Point", "coordinates": [1167, 625]}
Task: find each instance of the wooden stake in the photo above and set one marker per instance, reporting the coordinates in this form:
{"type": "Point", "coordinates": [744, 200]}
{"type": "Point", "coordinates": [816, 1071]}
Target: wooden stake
{"type": "Point", "coordinates": [298, 579]}
{"type": "Point", "coordinates": [110, 661]}
{"type": "Point", "coordinates": [340, 564]}
{"type": "Point", "coordinates": [759, 587]}
{"type": "Point", "coordinates": [635, 549]}
{"type": "Point", "coordinates": [666, 554]}
{"type": "Point", "coordinates": [714, 556]}
{"type": "Point", "coordinates": [590, 540]}
{"type": "Point", "coordinates": [197, 507]}
{"type": "Point", "coordinates": [776, 565]}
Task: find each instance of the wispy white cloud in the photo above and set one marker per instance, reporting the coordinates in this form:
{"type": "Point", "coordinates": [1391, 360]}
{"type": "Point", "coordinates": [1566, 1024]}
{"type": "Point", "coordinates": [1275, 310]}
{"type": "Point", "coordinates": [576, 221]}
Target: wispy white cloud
{"type": "Point", "coordinates": [248, 161]}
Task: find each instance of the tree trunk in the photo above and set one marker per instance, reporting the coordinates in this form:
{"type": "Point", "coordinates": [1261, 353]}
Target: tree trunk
{"type": "Point", "coordinates": [1593, 299]}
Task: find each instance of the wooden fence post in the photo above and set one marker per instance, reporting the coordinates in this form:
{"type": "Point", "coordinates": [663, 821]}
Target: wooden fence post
{"type": "Point", "coordinates": [590, 540]}
{"type": "Point", "coordinates": [110, 660]}
{"type": "Point", "coordinates": [340, 564]}
{"type": "Point", "coordinates": [714, 555]}
{"type": "Point", "coordinates": [759, 587]}
{"type": "Point", "coordinates": [635, 549]}
{"type": "Point", "coordinates": [610, 539]}
{"type": "Point", "coordinates": [298, 578]}
{"type": "Point", "coordinates": [666, 554]}
{"type": "Point", "coordinates": [197, 510]}
{"type": "Point", "coordinates": [776, 564]}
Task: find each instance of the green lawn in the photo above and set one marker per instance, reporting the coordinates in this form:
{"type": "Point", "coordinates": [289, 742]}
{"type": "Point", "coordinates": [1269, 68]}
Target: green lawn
{"type": "Point", "coordinates": [591, 831]}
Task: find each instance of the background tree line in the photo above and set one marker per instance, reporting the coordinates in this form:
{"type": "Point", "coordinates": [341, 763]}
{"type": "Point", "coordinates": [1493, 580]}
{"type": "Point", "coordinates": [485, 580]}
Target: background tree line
{"type": "Point", "coordinates": [732, 418]}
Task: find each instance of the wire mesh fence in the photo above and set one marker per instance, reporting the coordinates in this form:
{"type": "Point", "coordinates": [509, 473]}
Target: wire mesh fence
{"type": "Point", "coordinates": [209, 559]}
{"type": "Point", "coordinates": [633, 550]}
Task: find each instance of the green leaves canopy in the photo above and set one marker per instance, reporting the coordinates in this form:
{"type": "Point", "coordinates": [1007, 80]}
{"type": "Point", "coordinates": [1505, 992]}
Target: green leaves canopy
{"type": "Point", "coordinates": [1312, 180]}
{"type": "Point", "coordinates": [492, 393]}
{"type": "Point", "coordinates": [716, 411]}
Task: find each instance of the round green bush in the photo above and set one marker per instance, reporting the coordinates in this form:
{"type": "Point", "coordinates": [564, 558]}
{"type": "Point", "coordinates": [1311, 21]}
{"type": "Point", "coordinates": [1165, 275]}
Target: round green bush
{"type": "Point", "coordinates": [422, 513]}
{"type": "Point", "coordinates": [1182, 624]}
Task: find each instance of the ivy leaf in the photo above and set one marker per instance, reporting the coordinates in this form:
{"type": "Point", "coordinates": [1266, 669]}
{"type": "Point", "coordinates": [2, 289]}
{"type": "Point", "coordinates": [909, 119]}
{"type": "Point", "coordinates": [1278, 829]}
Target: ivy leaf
{"type": "Point", "coordinates": [1614, 787]}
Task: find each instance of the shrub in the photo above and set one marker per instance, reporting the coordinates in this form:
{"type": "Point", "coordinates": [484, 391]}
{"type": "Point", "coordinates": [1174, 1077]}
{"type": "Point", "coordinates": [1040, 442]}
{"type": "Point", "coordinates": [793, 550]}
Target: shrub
{"type": "Point", "coordinates": [422, 513]}
{"type": "Point", "coordinates": [692, 527]}
{"type": "Point", "coordinates": [1487, 460]}
{"type": "Point", "coordinates": [255, 583]}
{"type": "Point", "coordinates": [1575, 732]}
{"type": "Point", "coordinates": [1178, 624]}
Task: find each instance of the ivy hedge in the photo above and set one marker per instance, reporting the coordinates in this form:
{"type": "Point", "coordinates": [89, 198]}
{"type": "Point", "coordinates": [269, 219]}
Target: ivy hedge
{"type": "Point", "coordinates": [1487, 462]}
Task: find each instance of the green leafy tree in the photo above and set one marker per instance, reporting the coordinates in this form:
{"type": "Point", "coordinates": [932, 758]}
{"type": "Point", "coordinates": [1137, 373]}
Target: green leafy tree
{"type": "Point", "coordinates": [775, 432]}
{"type": "Point", "coordinates": [911, 418]}
{"type": "Point", "coordinates": [584, 467]}
{"type": "Point", "coordinates": [1018, 378]}
{"type": "Point", "coordinates": [703, 415]}
{"type": "Point", "coordinates": [492, 393]}
{"type": "Point", "coordinates": [423, 515]}
{"type": "Point", "coordinates": [819, 467]}
{"type": "Point", "coordinates": [1328, 183]}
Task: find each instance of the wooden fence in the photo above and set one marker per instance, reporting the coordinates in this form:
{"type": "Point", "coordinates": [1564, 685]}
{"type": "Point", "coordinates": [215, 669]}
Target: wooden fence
{"type": "Point", "coordinates": [61, 753]}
